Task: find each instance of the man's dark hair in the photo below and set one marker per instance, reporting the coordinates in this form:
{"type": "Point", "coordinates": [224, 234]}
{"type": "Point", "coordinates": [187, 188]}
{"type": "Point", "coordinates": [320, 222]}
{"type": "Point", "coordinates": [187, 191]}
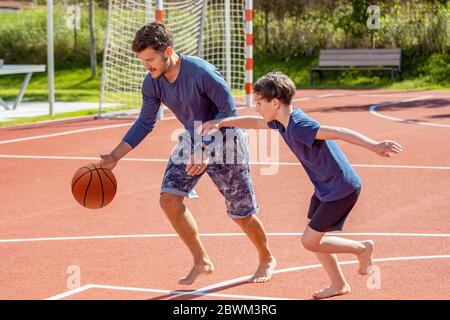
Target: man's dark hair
{"type": "Point", "coordinates": [154, 35]}
{"type": "Point", "coordinates": [275, 85]}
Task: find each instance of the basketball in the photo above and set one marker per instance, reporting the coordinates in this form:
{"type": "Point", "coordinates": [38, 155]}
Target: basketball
{"type": "Point", "coordinates": [94, 187]}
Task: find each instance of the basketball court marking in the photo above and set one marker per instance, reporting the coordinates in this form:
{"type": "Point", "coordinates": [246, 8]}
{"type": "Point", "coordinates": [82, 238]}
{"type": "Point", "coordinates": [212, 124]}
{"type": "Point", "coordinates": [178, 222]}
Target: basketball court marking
{"type": "Point", "coordinates": [415, 97]}
{"type": "Point", "coordinates": [315, 266]}
{"type": "Point", "coordinates": [162, 291]}
{"type": "Point", "coordinates": [14, 156]}
{"type": "Point", "coordinates": [373, 110]}
{"type": "Point", "coordinates": [217, 286]}
{"type": "Point", "coordinates": [204, 235]}
{"type": "Point", "coordinates": [220, 285]}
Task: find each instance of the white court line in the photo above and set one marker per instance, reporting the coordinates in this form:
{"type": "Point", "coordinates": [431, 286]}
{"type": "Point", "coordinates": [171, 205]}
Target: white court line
{"type": "Point", "coordinates": [66, 133]}
{"type": "Point", "coordinates": [167, 118]}
{"type": "Point", "coordinates": [417, 98]}
{"type": "Point", "coordinates": [167, 292]}
{"type": "Point", "coordinates": [14, 156]}
{"type": "Point", "coordinates": [72, 132]}
{"type": "Point", "coordinates": [315, 266]}
{"type": "Point", "coordinates": [373, 111]}
{"type": "Point", "coordinates": [329, 95]}
{"type": "Point", "coordinates": [70, 292]}
{"type": "Point", "coordinates": [173, 235]}
{"type": "Point", "coordinates": [176, 292]}
{"type": "Point", "coordinates": [388, 95]}
{"type": "Point", "coordinates": [204, 291]}
{"type": "Point", "coordinates": [400, 166]}
{"type": "Point", "coordinates": [302, 99]}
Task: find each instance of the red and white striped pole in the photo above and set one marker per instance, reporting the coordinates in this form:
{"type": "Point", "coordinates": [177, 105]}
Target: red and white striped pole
{"type": "Point", "coordinates": [159, 14]}
{"type": "Point", "coordinates": [248, 52]}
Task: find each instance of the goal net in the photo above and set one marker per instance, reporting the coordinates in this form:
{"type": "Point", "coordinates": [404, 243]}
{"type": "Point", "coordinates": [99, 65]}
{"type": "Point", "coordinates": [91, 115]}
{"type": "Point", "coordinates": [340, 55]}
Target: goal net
{"type": "Point", "coordinates": [215, 30]}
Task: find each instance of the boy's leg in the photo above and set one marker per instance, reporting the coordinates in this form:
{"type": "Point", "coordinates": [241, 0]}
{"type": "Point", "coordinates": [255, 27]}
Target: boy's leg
{"type": "Point", "coordinates": [184, 224]}
{"type": "Point", "coordinates": [254, 229]}
{"type": "Point", "coordinates": [338, 285]}
{"type": "Point", "coordinates": [312, 241]}
{"type": "Point", "coordinates": [316, 241]}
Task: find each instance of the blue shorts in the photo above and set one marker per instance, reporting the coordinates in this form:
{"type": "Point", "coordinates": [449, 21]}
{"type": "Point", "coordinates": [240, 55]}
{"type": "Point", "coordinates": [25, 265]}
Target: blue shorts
{"type": "Point", "coordinates": [331, 216]}
{"type": "Point", "coordinates": [233, 180]}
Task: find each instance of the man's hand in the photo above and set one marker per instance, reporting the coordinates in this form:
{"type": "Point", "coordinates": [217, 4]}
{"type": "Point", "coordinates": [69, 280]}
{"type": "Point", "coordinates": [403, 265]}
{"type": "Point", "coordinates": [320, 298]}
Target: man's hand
{"type": "Point", "coordinates": [387, 148]}
{"type": "Point", "coordinates": [108, 161]}
{"type": "Point", "coordinates": [209, 127]}
{"type": "Point", "coordinates": [198, 163]}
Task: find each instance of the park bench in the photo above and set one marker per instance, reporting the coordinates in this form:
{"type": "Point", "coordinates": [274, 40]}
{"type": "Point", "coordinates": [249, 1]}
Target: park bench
{"type": "Point", "coordinates": [358, 59]}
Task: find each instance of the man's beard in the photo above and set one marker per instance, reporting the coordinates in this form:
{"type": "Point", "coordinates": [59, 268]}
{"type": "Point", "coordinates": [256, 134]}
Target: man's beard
{"type": "Point", "coordinates": [166, 67]}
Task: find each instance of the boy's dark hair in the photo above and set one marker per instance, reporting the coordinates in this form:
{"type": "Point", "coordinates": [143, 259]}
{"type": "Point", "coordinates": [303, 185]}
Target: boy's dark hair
{"type": "Point", "coordinates": [275, 85]}
{"type": "Point", "coordinates": [154, 35]}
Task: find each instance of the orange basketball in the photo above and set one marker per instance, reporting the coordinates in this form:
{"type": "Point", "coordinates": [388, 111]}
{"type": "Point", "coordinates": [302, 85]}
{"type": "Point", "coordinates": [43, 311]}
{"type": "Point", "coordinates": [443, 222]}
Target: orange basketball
{"type": "Point", "coordinates": [93, 186]}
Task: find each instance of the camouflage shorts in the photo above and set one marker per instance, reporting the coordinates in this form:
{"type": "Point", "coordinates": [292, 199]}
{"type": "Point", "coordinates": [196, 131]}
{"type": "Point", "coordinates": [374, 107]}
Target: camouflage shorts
{"type": "Point", "coordinates": [233, 180]}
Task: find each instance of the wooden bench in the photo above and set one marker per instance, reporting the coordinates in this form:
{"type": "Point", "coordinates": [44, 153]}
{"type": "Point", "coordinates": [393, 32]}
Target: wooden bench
{"type": "Point", "coordinates": [359, 59]}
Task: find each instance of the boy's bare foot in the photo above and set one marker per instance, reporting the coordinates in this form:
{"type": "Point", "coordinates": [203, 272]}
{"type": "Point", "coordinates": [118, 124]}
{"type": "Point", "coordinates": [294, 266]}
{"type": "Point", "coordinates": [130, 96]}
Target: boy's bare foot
{"type": "Point", "coordinates": [331, 292]}
{"type": "Point", "coordinates": [264, 271]}
{"type": "Point", "coordinates": [197, 271]}
{"type": "Point", "coordinates": [365, 257]}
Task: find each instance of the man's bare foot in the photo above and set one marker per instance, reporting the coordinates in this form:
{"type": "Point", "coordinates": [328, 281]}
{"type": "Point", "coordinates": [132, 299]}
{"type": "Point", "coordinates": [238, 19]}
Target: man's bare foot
{"type": "Point", "coordinates": [264, 271]}
{"type": "Point", "coordinates": [197, 271]}
{"type": "Point", "coordinates": [365, 257]}
{"type": "Point", "coordinates": [331, 292]}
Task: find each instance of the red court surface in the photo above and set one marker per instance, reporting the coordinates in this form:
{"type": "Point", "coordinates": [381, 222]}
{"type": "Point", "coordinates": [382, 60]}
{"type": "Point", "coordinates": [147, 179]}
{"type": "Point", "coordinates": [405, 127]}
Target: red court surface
{"type": "Point", "coordinates": [128, 250]}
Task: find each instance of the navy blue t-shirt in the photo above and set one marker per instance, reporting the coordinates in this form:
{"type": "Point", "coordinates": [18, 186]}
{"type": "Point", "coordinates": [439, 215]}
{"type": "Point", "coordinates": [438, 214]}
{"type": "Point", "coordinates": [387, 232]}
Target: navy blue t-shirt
{"type": "Point", "coordinates": [199, 93]}
{"type": "Point", "coordinates": [329, 170]}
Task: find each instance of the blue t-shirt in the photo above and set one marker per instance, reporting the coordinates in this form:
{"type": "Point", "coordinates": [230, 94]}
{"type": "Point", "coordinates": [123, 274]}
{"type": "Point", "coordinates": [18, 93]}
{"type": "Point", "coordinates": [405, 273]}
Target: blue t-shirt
{"type": "Point", "coordinates": [199, 93]}
{"type": "Point", "coordinates": [329, 170]}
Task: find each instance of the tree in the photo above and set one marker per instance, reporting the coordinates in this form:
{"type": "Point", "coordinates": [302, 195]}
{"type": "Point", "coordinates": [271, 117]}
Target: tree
{"type": "Point", "coordinates": [93, 51]}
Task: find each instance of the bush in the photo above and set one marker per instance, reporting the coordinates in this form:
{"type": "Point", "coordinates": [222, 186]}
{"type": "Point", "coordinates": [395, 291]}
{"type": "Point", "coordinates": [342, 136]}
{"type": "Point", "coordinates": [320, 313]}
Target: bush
{"type": "Point", "coordinates": [23, 36]}
{"type": "Point", "coordinates": [302, 27]}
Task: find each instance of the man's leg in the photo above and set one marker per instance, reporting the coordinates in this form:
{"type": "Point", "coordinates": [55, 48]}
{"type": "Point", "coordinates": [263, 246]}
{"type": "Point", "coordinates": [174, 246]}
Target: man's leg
{"type": "Point", "coordinates": [184, 224]}
{"type": "Point", "coordinates": [233, 180]}
{"type": "Point", "coordinates": [254, 229]}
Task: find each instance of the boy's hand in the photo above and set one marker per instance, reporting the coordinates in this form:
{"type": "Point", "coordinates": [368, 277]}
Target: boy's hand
{"type": "Point", "coordinates": [209, 127]}
{"type": "Point", "coordinates": [108, 161]}
{"type": "Point", "coordinates": [386, 148]}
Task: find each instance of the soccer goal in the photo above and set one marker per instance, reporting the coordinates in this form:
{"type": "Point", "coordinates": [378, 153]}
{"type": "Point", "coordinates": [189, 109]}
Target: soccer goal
{"type": "Point", "coordinates": [219, 31]}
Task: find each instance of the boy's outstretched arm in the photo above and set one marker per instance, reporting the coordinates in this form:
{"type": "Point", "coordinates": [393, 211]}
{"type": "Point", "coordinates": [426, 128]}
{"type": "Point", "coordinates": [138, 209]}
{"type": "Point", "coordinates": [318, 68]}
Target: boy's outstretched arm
{"type": "Point", "coordinates": [245, 122]}
{"type": "Point", "coordinates": [383, 148]}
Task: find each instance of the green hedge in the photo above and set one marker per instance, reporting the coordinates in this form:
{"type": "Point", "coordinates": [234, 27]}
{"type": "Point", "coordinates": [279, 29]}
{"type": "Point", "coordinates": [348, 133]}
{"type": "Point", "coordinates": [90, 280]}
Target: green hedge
{"type": "Point", "coordinates": [23, 36]}
{"type": "Point", "coordinates": [301, 27]}
{"type": "Point", "coordinates": [295, 28]}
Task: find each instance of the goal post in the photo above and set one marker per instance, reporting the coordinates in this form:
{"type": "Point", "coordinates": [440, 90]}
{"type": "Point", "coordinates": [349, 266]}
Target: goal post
{"type": "Point", "coordinates": [219, 31]}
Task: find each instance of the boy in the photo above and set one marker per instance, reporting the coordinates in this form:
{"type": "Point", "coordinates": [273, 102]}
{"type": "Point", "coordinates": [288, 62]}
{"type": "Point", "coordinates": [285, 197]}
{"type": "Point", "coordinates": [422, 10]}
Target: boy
{"type": "Point", "coordinates": [337, 186]}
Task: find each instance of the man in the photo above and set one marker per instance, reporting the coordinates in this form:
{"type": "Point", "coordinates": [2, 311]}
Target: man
{"type": "Point", "coordinates": [193, 90]}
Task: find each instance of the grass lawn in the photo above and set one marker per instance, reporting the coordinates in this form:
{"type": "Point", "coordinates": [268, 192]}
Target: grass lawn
{"type": "Point", "coordinates": [419, 72]}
